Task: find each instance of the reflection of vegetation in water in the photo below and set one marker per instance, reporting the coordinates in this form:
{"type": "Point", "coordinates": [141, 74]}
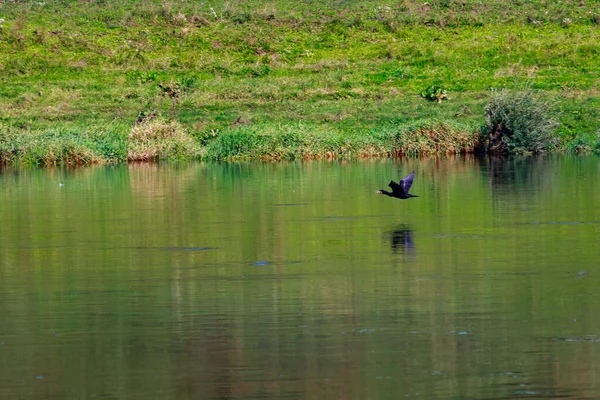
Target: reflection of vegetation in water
{"type": "Point", "coordinates": [523, 174]}
{"type": "Point", "coordinates": [87, 269]}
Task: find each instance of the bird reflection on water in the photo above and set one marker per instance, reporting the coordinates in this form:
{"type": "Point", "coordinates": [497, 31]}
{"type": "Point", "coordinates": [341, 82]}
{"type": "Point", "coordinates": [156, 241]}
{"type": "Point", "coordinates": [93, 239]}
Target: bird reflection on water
{"type": "Point", "coordinates": [402, 240]}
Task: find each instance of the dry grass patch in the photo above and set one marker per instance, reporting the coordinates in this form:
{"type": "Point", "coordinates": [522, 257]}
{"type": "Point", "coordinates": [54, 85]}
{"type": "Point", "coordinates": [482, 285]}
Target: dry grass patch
{"type": "Point", "coordinates": [438, 139]}
{"type": "Point", "coordinates": [158, 138]}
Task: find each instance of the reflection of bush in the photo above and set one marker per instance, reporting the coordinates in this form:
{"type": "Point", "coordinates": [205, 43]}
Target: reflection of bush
{"type": "Point", "coordinates": [519, 122]}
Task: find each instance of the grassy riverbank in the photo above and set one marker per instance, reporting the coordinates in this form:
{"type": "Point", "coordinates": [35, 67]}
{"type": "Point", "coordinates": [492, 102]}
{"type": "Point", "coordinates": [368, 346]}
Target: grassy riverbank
{"type": "Point", "coordinates": [100, 81]}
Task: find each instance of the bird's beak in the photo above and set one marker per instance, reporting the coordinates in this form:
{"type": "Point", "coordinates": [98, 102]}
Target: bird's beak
{"type": "Point", "coordinates": [378, 192]}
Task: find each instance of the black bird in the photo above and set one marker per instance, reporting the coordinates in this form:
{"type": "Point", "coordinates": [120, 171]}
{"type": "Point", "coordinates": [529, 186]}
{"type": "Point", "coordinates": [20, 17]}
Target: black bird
{"type": "Point", "coordinates": [400, 191]}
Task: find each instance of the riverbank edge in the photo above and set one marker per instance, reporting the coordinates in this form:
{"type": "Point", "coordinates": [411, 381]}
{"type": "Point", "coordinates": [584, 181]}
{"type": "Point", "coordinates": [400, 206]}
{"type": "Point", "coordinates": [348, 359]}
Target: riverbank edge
{"type": "Point", "coordinates": [348, 82]}
{"type": "Point", "coordinates": [158, 139]}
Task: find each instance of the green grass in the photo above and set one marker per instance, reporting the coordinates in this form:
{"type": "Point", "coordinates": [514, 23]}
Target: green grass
{"type": "Point", "coordinates": [292, 79]}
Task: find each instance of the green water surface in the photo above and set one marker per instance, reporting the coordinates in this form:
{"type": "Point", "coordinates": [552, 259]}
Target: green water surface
{"type": "Point", "coordinates": [297, 281]}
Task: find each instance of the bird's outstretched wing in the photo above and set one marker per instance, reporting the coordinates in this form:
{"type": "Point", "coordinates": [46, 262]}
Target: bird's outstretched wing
{"type": "Point", "coordinates": [407, 181]}
{"type": "Point", "coordinates": [395, 187]}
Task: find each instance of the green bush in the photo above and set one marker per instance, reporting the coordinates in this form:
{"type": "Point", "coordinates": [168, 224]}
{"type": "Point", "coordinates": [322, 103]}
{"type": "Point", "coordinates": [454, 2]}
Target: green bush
{"type": "Point", "coordinates": [520, 122]}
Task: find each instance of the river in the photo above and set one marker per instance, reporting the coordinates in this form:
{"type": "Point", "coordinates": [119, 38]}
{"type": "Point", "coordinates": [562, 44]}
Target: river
{"type": "Point", "coordinates": [297, 281]}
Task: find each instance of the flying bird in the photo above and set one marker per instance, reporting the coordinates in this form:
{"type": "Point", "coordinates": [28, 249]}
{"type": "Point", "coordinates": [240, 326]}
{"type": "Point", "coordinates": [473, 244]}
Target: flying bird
{"type": "Point", "coordinates": [400, 190]}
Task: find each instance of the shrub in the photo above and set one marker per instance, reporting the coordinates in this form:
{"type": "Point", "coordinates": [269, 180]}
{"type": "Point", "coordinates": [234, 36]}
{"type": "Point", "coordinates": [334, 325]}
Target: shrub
{"type": "Point", "coordinates": [519, 122]}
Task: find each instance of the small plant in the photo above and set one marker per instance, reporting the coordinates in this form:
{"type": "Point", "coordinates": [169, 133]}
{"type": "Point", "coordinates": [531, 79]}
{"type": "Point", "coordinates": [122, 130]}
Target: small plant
{"type": "Point", "coordinates": [172, 89]}
{"type": "Point", "coordinates": [519, 122]}
{"type": "Point", "coordinates": [241, 18]}
{"type": "Point", "coordinates": [145, 116]}
{"type": "Point", "coordinates": [175, 88]}
{"type": "Point", "coordinates": [435, 93]}
{"type": "Point", "coordinates": [143, 76]}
